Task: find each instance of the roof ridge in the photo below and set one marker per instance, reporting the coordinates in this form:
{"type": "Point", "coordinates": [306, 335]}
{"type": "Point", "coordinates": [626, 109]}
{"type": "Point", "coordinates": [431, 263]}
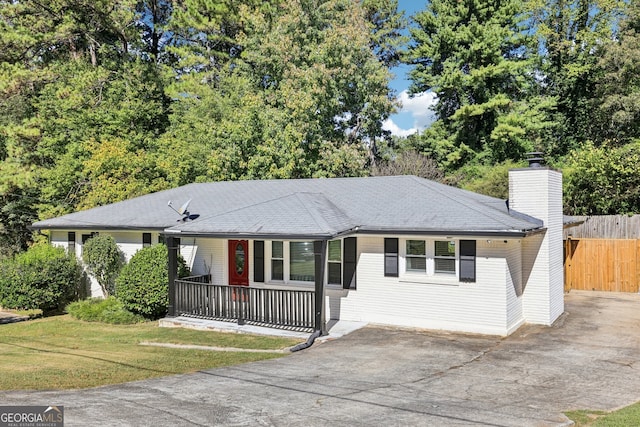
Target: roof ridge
{"type": "Point", "coordinates": [319, 219]}
{"type": "Point", "coordinates": [470, 203]}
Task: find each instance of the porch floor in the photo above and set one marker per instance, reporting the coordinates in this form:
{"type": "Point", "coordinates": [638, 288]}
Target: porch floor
{"type": "Point", "coordinates": [335, 328]}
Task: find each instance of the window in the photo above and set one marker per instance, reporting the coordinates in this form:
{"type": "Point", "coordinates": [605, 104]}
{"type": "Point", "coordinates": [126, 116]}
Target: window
{"type": "Point", "coordinates": [277, 260]}
{"type": "Point", "coordinates": [146, 240]}
{"type": "Point", "coordinates": [391, 257]}
{"type": "Point", "coordinates": [445, 257]}
{"type": "Point", "coordinates": [301, 261]}
{"type": "Point", "coordinates": [86, 237]}
{"type": "Point", "coordinates": [334, 261]}
{"type": "Point", "coordinates": [71, 242]}
{"type": "Point", "coordinates": [416, 256]}
{"type": "Point", "coordinates": [468, 261]}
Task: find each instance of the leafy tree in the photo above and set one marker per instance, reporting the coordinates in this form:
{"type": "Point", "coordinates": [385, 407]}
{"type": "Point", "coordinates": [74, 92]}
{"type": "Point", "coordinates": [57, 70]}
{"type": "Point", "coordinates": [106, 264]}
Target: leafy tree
{"type": "Point", "coordinates": [409, 163]}
{"type": "Point", "coordinates": [603, 180]}
{"type": "Point", "coordinates": [16, 215]}
{"type": "Point", "coordinates": [387, 24]}
{"type": "Point", "coordinates": [303, 96]}
{"type": "Point", "coordinates": [572, 36]}
{"type": "Point", "coordinates": [104, 260]}
{"type": "Point", "coordinates": [619, 86]}
{"type": "Point", "coordinates": [491, 180]}
{"type": "Point", "coordinates": [471, 53]}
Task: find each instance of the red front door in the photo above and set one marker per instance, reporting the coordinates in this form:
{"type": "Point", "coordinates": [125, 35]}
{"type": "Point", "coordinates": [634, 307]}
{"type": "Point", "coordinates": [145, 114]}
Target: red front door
{"type": "Point", "coordinates": [239, 262]}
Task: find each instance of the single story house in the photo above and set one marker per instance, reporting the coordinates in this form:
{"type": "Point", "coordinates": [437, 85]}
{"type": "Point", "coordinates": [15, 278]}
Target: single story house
{"type": "Point", "coordinates": [398, 250]}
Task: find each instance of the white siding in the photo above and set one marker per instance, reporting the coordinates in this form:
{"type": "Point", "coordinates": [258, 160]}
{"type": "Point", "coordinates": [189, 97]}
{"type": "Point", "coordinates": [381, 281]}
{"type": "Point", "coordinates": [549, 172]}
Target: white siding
{"type": "Point", "coordinates": [129, 243]}
{"type": "Point", "coordinates": [429, 301]}
{"type": "Point", "coordinates": [515, 315]}
{"type": "Point", "coordinates": [538, 192]}
{"type": "Point", "coordinates": [210, 258]}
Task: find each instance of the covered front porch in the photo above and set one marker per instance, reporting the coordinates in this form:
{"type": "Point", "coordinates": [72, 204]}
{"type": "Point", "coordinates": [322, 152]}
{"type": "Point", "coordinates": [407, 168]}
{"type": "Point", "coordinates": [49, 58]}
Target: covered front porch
{"type": "Point", "coordinates": [236, 296]}
{"type": "Point", "coordinates": [290, 309]}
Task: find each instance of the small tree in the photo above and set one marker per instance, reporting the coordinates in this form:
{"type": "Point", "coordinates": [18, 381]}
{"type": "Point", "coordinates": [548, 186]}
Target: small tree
{"type": "Point", "coordinates": [143, 284]}
{"type": "Point", "coordinates": [410, 163]}
{"type": "Point", "coordinates": [104, 260]}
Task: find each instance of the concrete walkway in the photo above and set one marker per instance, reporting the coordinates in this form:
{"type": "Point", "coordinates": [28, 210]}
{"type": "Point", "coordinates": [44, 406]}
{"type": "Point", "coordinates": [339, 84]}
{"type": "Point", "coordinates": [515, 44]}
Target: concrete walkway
{"type": "Point", "coordinates": [8, 317]}
{"type": "Point", "coordinates": [383, 376]}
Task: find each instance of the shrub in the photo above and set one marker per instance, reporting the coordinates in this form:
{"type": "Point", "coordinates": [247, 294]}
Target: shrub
{"type": "Point", "coordinates": [108, 310]}
{"type": "Point", "coordinates": [44, 277]}
{"type": "Point", "coordinates": [104, 260]}
{"type": "Point", "coordinates": [143, 286]}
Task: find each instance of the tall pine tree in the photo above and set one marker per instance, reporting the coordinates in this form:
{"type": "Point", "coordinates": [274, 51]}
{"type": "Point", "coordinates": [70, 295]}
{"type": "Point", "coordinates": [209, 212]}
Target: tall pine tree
{"type": "Point", "coordinates": [472, 54]}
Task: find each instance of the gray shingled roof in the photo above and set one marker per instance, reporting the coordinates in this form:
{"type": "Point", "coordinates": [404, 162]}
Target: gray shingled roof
{"type": "Point", "coordinates": [309, 208]}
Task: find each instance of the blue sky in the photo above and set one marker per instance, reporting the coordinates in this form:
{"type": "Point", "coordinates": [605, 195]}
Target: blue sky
{"type": "Point", "coordinates": [414, 114]}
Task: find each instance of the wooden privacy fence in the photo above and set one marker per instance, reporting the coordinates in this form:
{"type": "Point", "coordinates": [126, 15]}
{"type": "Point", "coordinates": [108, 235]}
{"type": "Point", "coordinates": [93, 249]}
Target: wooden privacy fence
{"type": "Point", "coordinates": [602, 264]}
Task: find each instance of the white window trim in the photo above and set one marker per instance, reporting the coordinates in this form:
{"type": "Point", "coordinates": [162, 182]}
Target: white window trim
{"type": "Point", "coordinates": [341, 262]}
{"type": "Point", "coordinates": [455, 258]}
{"type": "Point", "coordinates": [430, 247]}
{"type": "Point", "coordinates": [425, 257]}
{"type": "Point", "coordinates": [286, 265]}
{"type": "Point", "coordinates": [269, 250]}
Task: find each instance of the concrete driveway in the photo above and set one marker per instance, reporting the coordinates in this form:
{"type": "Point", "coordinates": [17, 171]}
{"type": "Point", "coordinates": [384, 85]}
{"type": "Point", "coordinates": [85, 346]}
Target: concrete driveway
{"type": "Point", "coordinates": [378, 376]}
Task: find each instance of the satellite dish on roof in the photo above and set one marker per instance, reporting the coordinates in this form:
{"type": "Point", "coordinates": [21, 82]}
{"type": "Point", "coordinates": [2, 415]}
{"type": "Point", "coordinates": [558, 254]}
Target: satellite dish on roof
{"type": "Point", "coordinates": [184, 207]}
{"type": "Point", "coordinates": [183, 211]}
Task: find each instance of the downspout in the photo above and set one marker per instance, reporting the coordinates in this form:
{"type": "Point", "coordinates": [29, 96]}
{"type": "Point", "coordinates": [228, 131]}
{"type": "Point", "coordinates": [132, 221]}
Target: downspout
{"type": "Point", "coordinates": [320, 329]}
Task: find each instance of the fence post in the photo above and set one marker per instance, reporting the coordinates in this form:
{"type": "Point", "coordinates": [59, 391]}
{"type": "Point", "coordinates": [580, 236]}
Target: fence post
{"type": "Point", "coordinates": [239, 292]}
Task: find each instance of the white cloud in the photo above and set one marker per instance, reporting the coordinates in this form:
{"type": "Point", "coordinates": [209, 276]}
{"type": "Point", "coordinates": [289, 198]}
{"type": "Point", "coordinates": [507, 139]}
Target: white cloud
{"type": "Point", "coordinates": [418, 108]}
{"type": "Point", "coordinates": [392, 127]}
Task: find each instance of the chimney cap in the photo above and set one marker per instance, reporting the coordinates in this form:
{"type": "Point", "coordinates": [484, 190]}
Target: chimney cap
{"type": "Point", "coordinates": [535, 159]}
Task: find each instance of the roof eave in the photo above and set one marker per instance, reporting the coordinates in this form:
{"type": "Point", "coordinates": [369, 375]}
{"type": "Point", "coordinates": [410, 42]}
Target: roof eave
{"type": "Point", "coordinates": [94, 227]}
{"type": "Point", "coordinates": [437, 232]}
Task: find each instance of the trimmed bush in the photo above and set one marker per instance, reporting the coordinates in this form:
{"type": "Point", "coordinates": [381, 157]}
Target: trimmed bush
{"type": "Point", "coordinates": [44, 277]}
{"type": "Point", "coordinates": [108, 310]}
{"type": "Point", "coordinates": [104, 260]}
{"type": "Point", "coordinates": [143, 286]}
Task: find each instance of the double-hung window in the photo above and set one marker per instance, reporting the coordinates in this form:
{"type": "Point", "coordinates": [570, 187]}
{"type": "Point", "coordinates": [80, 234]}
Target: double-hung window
{"type": "Point", "coordinates": [335, 262]}
{"type": "Point", "coordinates": [302, 265]}
{"type": "Point", "coordinates": [71, 242]}
{"type": "Point", "coordinates": [445, 257]}
{"type": "Point", "coordinates": [416, 256]}
{"type": "Point", "coordinates": [277, 260]}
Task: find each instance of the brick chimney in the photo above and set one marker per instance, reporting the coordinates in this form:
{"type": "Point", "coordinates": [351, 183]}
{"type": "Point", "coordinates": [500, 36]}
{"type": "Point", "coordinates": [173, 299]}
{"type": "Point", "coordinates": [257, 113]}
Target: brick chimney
{"type": "Point", "coordinates": [537, 191]}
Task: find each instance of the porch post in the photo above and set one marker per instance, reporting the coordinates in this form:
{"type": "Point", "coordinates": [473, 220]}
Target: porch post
{"type": "Point", "coordinates": [320, 254]}
{"type": "Point", "coordinates": [173, 272]}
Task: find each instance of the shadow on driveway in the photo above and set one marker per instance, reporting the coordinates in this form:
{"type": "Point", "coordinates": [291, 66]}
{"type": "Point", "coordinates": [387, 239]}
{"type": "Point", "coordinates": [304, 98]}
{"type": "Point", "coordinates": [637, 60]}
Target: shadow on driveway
{"type": "Point", "coordinates": [383, 376]}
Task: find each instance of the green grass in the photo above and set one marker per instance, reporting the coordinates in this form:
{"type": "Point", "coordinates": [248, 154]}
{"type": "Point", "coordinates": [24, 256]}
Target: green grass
{"type": "Point", "coordinates": [106, 310]}
{"type": "Point", "coordinates": [62, 353]}
{"type": "Point", "coordinates": [628, 416]}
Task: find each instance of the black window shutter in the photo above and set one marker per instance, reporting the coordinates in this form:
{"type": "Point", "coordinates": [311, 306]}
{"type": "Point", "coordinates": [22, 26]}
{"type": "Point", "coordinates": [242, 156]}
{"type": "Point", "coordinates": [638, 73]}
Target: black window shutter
{"type": "Point", "coordinates": [258, 260]}
{"type": "Point", "coordinates": [350, 248]}
{"type": "Point", "coordinates": [467, 260]}
{"type": "Point", "coordinates": [391, 257]}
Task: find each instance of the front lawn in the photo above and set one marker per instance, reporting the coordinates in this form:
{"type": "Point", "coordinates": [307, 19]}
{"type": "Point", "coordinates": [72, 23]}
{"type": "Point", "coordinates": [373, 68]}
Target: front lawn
{"type": "Point", "coordinates": [61, 352]}
{"type": "Point", "coordinates": [628, 416]}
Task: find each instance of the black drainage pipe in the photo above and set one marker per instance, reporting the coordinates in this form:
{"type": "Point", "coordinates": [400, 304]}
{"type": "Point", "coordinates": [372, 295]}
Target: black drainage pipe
{"type": "Point", "coordinates": [309, 343]}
